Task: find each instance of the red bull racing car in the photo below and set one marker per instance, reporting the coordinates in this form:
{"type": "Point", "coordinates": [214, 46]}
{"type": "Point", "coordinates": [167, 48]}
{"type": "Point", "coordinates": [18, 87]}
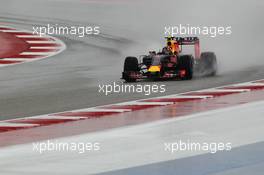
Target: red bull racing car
{"type": "Point", "coordinates": [170, 62]}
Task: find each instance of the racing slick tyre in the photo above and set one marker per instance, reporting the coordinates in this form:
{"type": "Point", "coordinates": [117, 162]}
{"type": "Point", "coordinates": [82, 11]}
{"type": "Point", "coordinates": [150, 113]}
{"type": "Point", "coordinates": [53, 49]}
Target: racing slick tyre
{"type": "Point", "coordinates": [186, 63]}
{"type": "Point", "coordinates": [209, 63]}
{"type": "Point", "coordinates": [130, 65]}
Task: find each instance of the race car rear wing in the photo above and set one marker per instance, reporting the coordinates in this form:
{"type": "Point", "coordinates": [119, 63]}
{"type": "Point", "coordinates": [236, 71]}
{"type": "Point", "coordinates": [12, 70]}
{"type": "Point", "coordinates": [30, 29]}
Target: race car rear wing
{"type": "Point", "coordinates": [188, 41]}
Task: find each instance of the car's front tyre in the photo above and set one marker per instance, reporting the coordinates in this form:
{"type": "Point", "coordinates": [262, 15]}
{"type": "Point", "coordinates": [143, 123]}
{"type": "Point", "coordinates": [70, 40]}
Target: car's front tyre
{"type": "Point", "coordinates": [130, 66]}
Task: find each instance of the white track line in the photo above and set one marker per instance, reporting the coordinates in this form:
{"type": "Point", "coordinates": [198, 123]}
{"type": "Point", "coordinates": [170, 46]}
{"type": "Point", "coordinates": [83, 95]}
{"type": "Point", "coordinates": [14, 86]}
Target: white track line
{"type": "Point", "coordinates": [186, 96]}
{"type": "Point", "coordinates": [15, 31]}
{"type": "Point", "coordinates": [37, 53]}
{"type": "Point", "coordinates": [16, 59]}
{"type": "Point", "coordinates": [247, 84]}
{"type": "Point", "coordinates": [101, 110]}
{"type": "Point", "coordinates": [58, 47]}
{"type": "Point", "coordinates": [8, 124]}
{"type": "Point", "coordinates": [30, 36]}
{"type": "Point", "coordinates": [51, 117]}
{"type": "Point", "coordinates": [7, 27]}
{"type": "Point", "coordinates": [224, 90]}
{"type": "Point", "coordinates": [146, 103]}
{"type": "Point", "coordinates": [41, 42]}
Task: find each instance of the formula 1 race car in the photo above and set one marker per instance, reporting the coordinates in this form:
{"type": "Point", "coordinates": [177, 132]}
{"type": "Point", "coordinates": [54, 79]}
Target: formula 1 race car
{"type": "Point", "coordinates": [170, 62]}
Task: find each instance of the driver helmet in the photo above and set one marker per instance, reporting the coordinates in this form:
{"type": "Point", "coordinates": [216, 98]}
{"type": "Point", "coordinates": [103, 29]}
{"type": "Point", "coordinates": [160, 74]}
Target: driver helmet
{"type": "Point", "coordinates": [172, 46]}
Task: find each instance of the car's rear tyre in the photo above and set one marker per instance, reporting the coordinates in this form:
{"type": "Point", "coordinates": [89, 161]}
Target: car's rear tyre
{"type": "Point", "coordinates": [130, 65]}
{"type": "Point", "coordinates": [186, 63]}
{"type": "Point", "coordinates": [209, 63]}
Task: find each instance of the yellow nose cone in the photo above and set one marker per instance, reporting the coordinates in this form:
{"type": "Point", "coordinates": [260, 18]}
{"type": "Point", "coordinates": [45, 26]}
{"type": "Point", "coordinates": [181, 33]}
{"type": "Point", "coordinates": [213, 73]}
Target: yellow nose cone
{"type": "Point", "coordinates": [154, 69]}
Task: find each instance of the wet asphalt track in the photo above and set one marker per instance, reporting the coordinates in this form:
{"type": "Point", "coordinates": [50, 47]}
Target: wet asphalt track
{"type": "Point", "coordinates": [70, 80]}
